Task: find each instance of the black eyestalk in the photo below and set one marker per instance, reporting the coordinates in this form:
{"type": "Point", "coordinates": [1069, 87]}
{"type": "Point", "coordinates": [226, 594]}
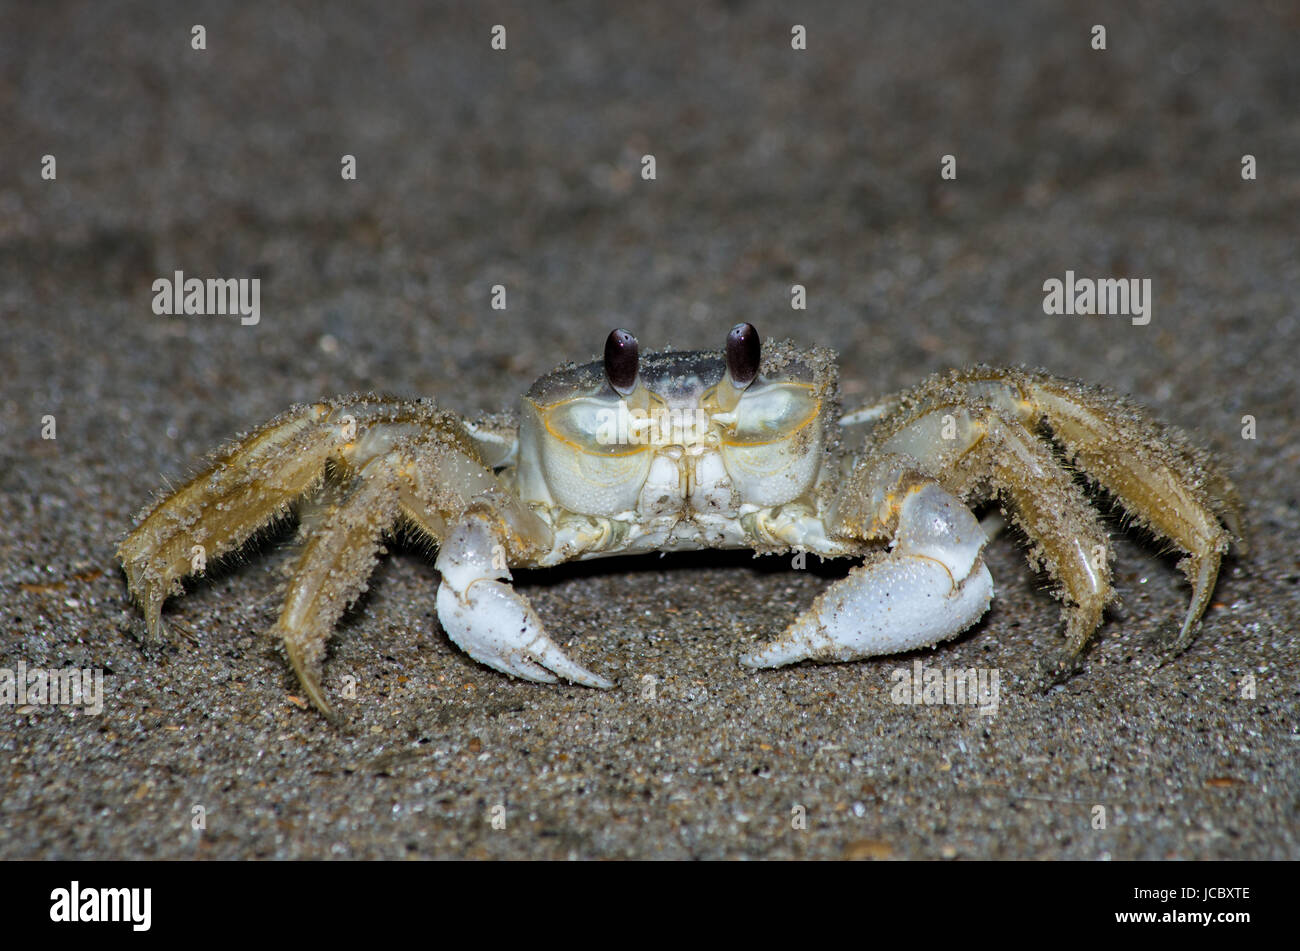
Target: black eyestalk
{"type": "Point", "coordinates": [622, 359]}
{"type": "Point", "coordinates": [743, 353]}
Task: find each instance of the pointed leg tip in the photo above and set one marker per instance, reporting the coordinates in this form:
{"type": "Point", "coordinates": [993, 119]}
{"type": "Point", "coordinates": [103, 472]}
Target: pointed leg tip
{"type": "Point", "coordinates": [1177, 642]}
{"type": "Point", "coordinates": [324, 709]}
{"type": "Point", "coordinates": [150, 599]}
{"type": "Point", "coordinates": [307, 669]}
{"type": "Point", "coordinates": [317, 696]}
{"type": "Point", "coordinates": [312, 687]}
{"type": "Point", "coordinates": [155, 628]}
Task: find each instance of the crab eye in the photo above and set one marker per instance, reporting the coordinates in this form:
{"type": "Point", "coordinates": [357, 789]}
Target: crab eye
{"type": "Point", "coordinates": [743, 352]}
{"type": "Point", "coordinates": [622, 354]}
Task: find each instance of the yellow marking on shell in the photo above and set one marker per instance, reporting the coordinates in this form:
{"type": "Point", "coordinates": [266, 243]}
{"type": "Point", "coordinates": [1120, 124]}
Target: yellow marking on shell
{"type": "Point", "coordinates": [889, 505]}
{"type": "Point", "coordinates": [608, 449]}
{"type": "Point", "coordinates": [783, 435]}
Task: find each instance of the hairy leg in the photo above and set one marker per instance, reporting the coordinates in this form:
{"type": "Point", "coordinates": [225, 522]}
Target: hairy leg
{"type": "Point", "coordinates": [980, 427]}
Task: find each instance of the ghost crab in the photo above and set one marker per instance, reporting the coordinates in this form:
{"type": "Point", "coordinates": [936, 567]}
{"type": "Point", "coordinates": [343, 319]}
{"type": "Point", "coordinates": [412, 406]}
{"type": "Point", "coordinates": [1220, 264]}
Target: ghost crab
{"type": "Point", "coordinates": [679, 451]}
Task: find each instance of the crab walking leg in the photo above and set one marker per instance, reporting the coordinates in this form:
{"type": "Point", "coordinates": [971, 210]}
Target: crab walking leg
{"type": "Point", "coordinates": [930, 587]}
{"type": "Point", "coordinates": [992, 445]}
{"type": "Point", "coordinates": [215, 512]}
{"type": "Point", "coordinates": [429, 479]}
{"type": "Point", "coordinates": [488, 619]}
{"type": "Point", "coordinates": [1069, 541]}
{"type": "Point", "coordinates": [1162, 479]}
{"type": "Point", "coordinates": [255, 481]}
{"type": "Point", "coordinates": [1169, 485]}
{"type": "Point", "coordinates": [341, 536]}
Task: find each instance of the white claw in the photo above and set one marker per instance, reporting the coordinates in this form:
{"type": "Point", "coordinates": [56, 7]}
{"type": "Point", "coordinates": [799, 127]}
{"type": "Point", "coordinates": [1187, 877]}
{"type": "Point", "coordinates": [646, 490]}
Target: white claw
{"type": "Point", "coordinates": [931, 587]}
{"type": "Point", "coordinates": [489, 620]}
